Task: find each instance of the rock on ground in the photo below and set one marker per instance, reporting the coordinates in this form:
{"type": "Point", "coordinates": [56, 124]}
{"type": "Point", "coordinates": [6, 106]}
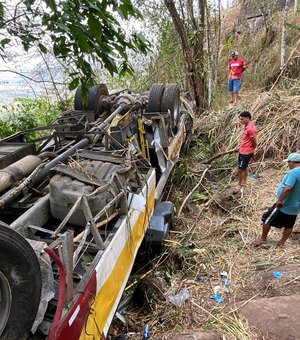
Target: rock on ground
{"type": "Point", "coordinates": [194, 335]}
{"type": "Point", "coordinates": [276, 317]}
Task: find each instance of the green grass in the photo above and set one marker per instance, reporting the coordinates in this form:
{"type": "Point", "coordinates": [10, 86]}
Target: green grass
{"type": "Point", "coordinates": [24, 113]}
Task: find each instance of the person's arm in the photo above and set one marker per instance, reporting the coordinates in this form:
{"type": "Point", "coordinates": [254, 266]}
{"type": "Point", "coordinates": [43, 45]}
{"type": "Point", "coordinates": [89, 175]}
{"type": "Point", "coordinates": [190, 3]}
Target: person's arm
{"type": "Point", "coordinates": [254, 144]}
{"type": "Point", "coordinates": [254, 141]}
{"type": "Point", "coordinates": [284, 194]}
{"type": "Point", "coordinates": [244, 66]}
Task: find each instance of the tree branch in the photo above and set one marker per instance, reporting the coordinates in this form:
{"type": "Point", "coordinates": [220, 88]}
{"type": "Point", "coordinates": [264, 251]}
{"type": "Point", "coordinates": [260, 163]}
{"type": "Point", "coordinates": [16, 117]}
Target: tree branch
{"type": "Point", "coordinates": [218, 155]}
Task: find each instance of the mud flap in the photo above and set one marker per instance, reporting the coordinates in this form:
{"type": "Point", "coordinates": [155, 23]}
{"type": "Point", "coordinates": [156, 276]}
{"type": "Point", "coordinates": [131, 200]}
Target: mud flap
{"type": "Point", "coordinates": [160, 224]}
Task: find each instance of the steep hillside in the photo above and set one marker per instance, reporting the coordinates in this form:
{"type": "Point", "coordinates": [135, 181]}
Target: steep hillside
{"type": "Point", "coordinates": [213, 229]}
{"type": "Point", "coordinates": [257, 38]}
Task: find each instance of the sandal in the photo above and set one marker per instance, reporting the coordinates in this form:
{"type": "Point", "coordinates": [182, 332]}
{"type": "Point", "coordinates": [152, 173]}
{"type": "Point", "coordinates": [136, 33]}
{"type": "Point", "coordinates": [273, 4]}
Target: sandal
{"type": "Point", "coordinates": [258, 242]}
{"type": "Point", "coordinates": [237, 189]}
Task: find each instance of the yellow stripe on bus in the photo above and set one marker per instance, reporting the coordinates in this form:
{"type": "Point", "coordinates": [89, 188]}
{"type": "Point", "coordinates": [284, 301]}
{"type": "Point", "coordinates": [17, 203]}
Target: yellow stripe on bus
{"type": "Point", "coordinates": [105, 299]}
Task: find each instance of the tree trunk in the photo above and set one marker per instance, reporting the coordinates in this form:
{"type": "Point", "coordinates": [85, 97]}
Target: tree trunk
{"type": "Point", "coordinates": [283, 36]}
{"type": "Point", "coordinates": [201, 56]}
{"type": "Point", "coordinates": [209, 70]}
{"type": "Point", "coordinates": [192, 49]}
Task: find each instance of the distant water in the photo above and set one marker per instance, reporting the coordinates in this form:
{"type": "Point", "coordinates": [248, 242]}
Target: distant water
{"type": "Point", "coordinates": [13, 90]}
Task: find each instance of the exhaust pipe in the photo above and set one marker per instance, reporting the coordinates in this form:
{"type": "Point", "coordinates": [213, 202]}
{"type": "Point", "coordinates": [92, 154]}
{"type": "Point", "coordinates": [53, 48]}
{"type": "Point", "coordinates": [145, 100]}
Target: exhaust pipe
{"type": "Point", "coordinates": [18, 170]}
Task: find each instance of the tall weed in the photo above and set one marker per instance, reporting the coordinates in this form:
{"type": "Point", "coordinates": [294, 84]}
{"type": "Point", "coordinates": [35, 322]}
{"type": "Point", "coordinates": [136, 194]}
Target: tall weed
{"type": "Point", "coordinates": [25, 113]}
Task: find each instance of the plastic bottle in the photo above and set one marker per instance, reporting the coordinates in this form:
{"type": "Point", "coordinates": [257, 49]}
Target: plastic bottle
{"type": "Point", "coordinates": [146, 333]}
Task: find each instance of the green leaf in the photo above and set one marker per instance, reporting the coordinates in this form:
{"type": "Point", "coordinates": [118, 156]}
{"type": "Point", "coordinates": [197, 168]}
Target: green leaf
{"type": "Point", "coordinates": [63, 27]}
{"type": "Point", "coordinates": [42, 48]}
{"type": "Point", "coordinates": [229, 41]}
{"type": "Point", "coordinates": [95, 26]}
{"type": "Point", "coordinates": [198, 197]}
{"type": "Point", "coordinates": [83, 44]}
{"type": "Point", "coordinates": [4, 41]}
{"type": "Point", "coordinates": [74, 84]}
{"type": "Point", "coordinates": [1, 12]}
{"type": "Point", "coordinates": [51, 4]}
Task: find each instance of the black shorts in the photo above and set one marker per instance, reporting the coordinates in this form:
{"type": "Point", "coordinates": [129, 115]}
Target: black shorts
{"type": "Point", "coordinates": [278, 219]}
{"type": "Point", "coordinates": [243, 161]}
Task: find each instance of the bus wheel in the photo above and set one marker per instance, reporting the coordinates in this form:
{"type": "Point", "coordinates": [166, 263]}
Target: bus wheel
{"type": "Point", "coordinates": [20, 284]}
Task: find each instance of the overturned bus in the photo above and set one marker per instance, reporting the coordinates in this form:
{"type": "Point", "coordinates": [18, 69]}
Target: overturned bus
{"type": "Point", "coordinates": [76, 204]}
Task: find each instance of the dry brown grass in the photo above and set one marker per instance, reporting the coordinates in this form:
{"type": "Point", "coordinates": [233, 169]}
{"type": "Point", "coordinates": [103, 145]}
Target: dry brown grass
{"type": "Point", "coordinates": [214, 236]}
{"type": "Point", "coordinates": [217, 240]}
{"type": "Point", "coordinates": [276, 116]}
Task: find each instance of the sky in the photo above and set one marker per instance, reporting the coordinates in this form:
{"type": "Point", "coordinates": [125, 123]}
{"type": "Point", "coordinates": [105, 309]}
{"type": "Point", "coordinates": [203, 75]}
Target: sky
{"type": "Point", "coordinates": [26, 63]}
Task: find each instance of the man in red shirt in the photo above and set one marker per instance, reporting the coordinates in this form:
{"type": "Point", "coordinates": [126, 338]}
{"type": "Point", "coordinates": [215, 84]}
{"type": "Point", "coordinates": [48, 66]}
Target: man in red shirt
{"type": "Point", "coordinates": [236, 67]}
{"type": "Point", "coordinates": [246, 149]}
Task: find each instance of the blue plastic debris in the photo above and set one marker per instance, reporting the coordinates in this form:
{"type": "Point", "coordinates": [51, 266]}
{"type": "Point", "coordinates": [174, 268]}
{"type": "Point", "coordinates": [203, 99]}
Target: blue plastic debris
{"type": "Point", "coordinates": [224, 279]}
{"type": "Point", "coordinates": [277, 275]}
{"type": "Point", "coordinates": [253, 175]}
{"type": "Point", "coordinates": [217, 298]}
{"type": "Point", "coordinates": [146, 333]}
{"type": "Point", "coordinates": [226, 282]}
{"type": "Point", "coordinates": [202, 278]}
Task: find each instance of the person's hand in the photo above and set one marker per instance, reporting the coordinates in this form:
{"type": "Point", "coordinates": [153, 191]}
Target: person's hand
{"type": "Point", "coordinates": [278, 204]}
{"type": "Point", "coordinates": [254, 157]}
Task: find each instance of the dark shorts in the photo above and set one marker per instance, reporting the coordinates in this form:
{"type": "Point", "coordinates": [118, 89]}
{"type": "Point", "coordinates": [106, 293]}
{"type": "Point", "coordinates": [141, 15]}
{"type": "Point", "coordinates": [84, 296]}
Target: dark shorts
{"type": "Point", "coordinates": [278, 219]}
{"type": "Point", "coordinates": [234, 85]}
{"type": "Point", "coordinates": [243, 161]}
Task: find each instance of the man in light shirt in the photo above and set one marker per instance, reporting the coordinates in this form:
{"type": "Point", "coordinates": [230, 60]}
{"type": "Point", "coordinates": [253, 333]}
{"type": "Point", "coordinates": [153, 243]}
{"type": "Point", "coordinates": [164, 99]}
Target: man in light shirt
{"type": "Point", "coordinates": [284, 211]}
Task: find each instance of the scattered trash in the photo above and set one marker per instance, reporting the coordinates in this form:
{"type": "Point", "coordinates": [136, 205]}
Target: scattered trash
{"type": "Point", "coordinates": [202, 278]}
{"type": "Point", "coordinates": [217, 298]}
{"type": "Point", "coordinates": [223, 274]}
{"type": "Point", "coordinates": [220, 289]}
{"type": "Point", "coordinates": [121, 318]}
{"type": "Point", "coordinates": [217, 290]}
{"type": "Point", "coordinates": [146, 333]}
{"type": "Point", "coordinates": [224, 279]}
{"type": "Point", "coordinates": [253, 175]}
{"type": "Point", "coordinates": [178, 299]}
{"type": "Point", "coordinates": [277, 275]}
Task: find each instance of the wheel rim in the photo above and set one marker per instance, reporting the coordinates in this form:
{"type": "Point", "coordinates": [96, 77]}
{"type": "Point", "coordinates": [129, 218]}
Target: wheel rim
{"type": "Point", "coordinates": [175, 114]}
{"type": "Point", "coordinates": [5, 301]}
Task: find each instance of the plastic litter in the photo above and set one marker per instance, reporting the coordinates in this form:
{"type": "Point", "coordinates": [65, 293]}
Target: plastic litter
{"type": "Point", "coordinates": [217, 290]}
{"type": "Point", "coordinates": [146, 333]}
{"type": "Point", "coordinates": [253, 175]}
{"type": "Point", "coordinates": [224, 279]}
{"type": "Point", "coordinates": [277, 275]}
{"type": "Point", "coordinates": [217, 298]}
{"type": "Point", "coordinates": [202, 278]}
{"type": "Point", "coordinates": [178, 299]}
